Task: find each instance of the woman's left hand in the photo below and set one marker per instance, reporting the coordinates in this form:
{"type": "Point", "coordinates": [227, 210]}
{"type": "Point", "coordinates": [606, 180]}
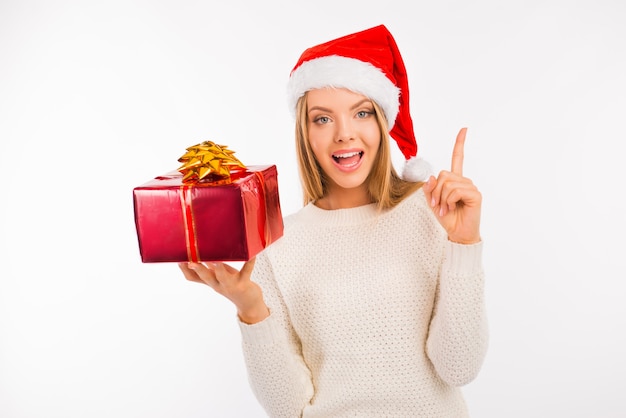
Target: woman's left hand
{"type": "Point", "coordinates": [455, 200]}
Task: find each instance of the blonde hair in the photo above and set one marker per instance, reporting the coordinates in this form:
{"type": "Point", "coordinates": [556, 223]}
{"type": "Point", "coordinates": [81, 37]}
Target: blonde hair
{"type": "Point", "coordinates": [386, 188]}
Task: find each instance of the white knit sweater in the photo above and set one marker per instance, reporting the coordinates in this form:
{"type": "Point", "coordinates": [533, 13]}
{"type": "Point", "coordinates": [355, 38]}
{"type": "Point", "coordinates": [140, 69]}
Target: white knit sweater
{"type": "Point", "coordinates": [372, 315]}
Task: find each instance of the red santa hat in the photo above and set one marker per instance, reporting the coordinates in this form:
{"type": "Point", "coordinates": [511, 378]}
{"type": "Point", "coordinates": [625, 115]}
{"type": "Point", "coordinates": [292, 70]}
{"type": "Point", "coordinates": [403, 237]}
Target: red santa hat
{"type": "Point", "coordinates": [368, 63]}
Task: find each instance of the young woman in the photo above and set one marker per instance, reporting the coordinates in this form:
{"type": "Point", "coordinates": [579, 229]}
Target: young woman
{"type": "Point", "coordinates": [371, 304]}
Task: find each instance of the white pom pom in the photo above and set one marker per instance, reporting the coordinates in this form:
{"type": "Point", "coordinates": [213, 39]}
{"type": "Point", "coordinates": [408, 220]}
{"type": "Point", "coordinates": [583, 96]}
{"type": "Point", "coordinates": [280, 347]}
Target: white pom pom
{"type": "Point", "coordinates": [416, 169]}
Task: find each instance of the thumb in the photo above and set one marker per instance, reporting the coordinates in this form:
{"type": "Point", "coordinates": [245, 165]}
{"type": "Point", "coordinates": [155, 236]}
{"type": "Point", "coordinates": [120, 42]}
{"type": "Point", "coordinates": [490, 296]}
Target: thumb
{"type": "Point", "coordinates": [247, 268]}
{"type": "Point", "coordinates": [428, 188]}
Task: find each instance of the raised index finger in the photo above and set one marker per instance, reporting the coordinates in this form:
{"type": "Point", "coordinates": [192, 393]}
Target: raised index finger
{"type": "Point", "coordinates": [457, 152]}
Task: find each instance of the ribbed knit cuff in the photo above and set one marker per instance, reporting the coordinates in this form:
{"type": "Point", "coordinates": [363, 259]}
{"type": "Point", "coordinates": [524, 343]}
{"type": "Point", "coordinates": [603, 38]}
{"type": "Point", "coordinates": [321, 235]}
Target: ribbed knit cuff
{"type": "Point", "coordinates": [266, 332]}
{"type": "Point", "coordinates": [462, 259]}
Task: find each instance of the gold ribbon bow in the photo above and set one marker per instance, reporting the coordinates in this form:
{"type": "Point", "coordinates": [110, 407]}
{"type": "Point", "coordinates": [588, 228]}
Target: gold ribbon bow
{"type": "Point", "coordinates": [208, 161]}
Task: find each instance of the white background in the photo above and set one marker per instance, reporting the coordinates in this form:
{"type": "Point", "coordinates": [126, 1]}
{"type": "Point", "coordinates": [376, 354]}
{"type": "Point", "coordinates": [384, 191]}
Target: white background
{"type": "Point", "coordinates": [99, 97]}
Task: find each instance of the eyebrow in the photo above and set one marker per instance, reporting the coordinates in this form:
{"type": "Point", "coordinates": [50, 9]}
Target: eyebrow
{"type": "Point", "coordinates": [354, 106]}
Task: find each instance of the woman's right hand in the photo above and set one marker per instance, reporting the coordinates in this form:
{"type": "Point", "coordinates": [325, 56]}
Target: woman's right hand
{"type": "Point", "coordinates": [233, 284]}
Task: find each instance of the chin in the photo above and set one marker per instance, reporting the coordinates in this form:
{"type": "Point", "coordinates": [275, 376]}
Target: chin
{"type": "Point", "coordinates": [351, 183]}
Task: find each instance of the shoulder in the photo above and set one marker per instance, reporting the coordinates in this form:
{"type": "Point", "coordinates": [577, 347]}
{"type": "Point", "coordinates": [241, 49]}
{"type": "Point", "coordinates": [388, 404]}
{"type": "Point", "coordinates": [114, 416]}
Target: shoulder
{"type": "Point", "coordinates": [415, 214]}
{"type": "Point", "coordinates": [295, 226]}
{"type": "Point", "coordinates": [294, 220]}
{"type": "Point", "coordinates": [414, 205]}
{"type": "Point", "coordinates": [417, 198]}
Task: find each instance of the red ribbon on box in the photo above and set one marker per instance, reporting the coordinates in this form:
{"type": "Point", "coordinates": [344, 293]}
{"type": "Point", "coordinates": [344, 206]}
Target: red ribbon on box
{"type": "Point", "coordinates": [266, 233]}
{"type": "Point", "coordinates": [211, 164]}
{"type": "Point", "coordinates": [190, 227]}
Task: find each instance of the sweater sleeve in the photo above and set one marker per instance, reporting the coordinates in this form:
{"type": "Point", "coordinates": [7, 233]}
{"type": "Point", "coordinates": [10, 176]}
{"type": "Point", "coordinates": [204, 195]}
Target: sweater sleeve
{"type": "Point", "coordinates": [458, 335]}
{"type": "Point", "coordinates": [278, 375]}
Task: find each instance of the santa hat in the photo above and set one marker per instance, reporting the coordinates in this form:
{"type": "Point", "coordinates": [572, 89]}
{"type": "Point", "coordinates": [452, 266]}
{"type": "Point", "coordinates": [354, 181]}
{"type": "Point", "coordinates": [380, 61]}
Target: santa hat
{"type": "Point", "coordinates": [368, 63]}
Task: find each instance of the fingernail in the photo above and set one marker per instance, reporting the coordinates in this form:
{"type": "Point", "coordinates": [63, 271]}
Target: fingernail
{"type": "Point", "coordinates": [441, 211]}
{"type": "Point", "coordinates": [432, 202]}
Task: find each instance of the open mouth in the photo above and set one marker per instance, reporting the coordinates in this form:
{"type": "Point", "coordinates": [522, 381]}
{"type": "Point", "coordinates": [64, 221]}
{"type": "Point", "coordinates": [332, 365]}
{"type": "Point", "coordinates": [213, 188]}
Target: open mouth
{"type": "Point", "coordinates": [348, 159]}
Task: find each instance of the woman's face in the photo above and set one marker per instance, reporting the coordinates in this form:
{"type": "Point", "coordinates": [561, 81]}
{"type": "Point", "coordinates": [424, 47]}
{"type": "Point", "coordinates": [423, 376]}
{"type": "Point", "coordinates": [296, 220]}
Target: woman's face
{"type": "Point", "coordinates": [344, 136]}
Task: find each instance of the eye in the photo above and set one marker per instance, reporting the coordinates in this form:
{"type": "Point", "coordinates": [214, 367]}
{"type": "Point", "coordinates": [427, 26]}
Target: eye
{"type": "Point", "coordinates": [322, 120]}
{"type": "Point", "coordinates": [362, 114]}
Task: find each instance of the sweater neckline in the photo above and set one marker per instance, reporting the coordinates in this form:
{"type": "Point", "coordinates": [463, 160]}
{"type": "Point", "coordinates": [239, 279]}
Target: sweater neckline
{"type": "Point", "coordinates": [348, 216]}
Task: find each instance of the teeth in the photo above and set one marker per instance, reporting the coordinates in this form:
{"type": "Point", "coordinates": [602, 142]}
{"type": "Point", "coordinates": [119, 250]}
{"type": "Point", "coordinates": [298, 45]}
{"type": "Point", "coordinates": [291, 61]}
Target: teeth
{"type": "Point", "coordinates": [346, 155]}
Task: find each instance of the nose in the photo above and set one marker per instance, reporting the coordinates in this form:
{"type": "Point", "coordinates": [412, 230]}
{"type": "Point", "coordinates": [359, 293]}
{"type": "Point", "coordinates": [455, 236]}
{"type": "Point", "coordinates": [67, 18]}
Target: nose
{"type": "Point", "coordinates": [344, 130]}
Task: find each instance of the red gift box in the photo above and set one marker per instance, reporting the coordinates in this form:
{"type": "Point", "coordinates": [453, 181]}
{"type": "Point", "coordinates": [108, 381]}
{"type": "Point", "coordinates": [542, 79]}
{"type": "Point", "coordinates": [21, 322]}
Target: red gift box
{"type": "Point", "coordinates": [230, 220]}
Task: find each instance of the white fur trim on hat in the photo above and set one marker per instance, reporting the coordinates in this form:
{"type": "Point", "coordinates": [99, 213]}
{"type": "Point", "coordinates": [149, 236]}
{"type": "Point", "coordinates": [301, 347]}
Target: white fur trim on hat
{"type": "Point", "coordinates": [342, 72]}
{"type": "Point", "coordinates": [416, 169]}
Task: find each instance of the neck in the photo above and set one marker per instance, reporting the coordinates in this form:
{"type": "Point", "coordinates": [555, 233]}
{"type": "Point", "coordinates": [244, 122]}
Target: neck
{"type": "Point", "coordinates": [344, 198]}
